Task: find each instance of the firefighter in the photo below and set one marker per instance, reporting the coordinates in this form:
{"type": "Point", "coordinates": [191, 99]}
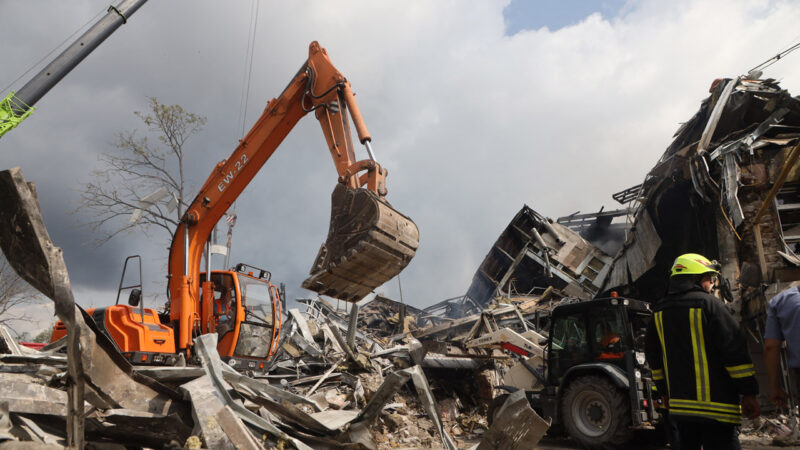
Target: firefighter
{"type": "Point", "coordinates": [699, 358]}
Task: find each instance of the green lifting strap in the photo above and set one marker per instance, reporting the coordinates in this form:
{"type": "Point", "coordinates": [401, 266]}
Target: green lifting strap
{"type": "Point", "coordinates": [8, 118]}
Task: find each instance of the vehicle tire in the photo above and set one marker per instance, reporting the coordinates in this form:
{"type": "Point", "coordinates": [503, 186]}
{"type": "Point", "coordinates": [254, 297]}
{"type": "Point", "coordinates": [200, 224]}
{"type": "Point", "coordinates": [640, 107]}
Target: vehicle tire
{"type": "Point", "coordinates": [495, 406]}
{"type": "Point", "coordinates": [596, 413]}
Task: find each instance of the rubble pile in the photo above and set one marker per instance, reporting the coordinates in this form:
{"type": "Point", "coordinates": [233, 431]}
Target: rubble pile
{"type": "Point", "coordinates": [330, 386]}
{"type": "Point", "coordinates": [779, 430]}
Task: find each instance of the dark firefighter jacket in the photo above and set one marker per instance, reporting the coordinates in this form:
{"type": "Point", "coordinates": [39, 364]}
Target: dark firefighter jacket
{"type": "Point", "coordinates": [698, 355]}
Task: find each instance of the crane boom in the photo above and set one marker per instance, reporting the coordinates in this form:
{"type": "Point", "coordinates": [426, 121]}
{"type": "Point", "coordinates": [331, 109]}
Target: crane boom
{"type": "Point", "coordinates": [19, 105]}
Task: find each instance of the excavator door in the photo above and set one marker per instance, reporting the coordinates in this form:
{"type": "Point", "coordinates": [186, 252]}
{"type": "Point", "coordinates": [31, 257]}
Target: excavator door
{"type": "Point", "coordinates": [369, 242]}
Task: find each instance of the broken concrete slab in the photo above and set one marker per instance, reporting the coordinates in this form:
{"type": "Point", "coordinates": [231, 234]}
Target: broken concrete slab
{"type": "Point", "coordinates": [302, 324]}
{"type": "Point", "coordinates": [32, 398]}
{"type": "Point", "coordinates": [334, 420]}
{"type": "Point", "coordinates": [171, 374]}
{"type": "Point", "coordinates": [36, 433]}
{"type": "Point", "coordinates": [206, 403]}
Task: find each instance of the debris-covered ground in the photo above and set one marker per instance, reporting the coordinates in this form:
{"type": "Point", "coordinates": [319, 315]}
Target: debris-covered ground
{"type": "Point", "coordinates": [369, 388]}
{"type": "Point", "coordinates": [329, 388]}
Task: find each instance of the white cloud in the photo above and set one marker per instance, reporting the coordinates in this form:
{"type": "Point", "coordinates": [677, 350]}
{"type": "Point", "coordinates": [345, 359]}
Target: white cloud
{"type": "Point", "coordinates": [471, 123]}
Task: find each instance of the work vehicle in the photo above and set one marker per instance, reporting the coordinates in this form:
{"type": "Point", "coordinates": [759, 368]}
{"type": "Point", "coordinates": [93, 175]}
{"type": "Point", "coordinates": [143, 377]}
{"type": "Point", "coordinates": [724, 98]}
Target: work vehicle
{"type": "Point", "coordinates": [368, 243]}
{"type": "Point", "coordinates": [245, 313]}
{"type": "Point", "coordinates": [17, 106]}
{"type": "Point", "coordinates": [593, 379]}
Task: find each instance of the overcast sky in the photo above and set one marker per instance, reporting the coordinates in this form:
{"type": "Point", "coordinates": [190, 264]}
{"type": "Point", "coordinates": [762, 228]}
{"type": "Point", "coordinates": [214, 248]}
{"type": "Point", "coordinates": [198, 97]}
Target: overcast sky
{"type": "Point", "coordinates": [475, 107]}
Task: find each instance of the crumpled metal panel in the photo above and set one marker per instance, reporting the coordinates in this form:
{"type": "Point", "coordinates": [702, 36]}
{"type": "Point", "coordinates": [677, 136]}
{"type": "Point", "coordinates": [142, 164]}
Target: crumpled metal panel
{"type": "Point", "coordinates": [516, 427]}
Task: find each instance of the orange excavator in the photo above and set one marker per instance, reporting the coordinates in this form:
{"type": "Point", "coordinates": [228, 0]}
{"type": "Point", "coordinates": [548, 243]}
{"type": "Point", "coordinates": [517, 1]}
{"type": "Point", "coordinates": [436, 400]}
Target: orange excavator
{"type": "Point", "coordinates": [368, 243]}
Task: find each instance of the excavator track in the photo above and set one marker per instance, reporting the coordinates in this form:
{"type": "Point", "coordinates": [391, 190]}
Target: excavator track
{"type": "Point", "coordinates": [369, 242]}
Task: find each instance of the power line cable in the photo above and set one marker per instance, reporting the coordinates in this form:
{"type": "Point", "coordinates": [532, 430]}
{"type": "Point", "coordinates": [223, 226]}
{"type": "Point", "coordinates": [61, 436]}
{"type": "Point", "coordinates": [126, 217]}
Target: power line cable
{"type": "Point", "coordinates": [251, 44]}
{"type": "Point", "coordinates": [69, 38]}
{"type": "Point", "coordinates": [776, 58]}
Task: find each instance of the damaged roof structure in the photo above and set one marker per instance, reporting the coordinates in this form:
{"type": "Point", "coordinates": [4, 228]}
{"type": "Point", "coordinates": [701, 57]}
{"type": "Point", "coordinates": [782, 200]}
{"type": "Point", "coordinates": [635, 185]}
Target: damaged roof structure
{"type": "Point", "coordinates": [727, 187]}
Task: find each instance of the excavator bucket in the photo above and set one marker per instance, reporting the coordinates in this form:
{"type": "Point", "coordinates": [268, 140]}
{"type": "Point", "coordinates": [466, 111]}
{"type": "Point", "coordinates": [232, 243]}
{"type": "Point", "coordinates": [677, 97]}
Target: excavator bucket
{"type": "Point", "coordinates": [369, 242]}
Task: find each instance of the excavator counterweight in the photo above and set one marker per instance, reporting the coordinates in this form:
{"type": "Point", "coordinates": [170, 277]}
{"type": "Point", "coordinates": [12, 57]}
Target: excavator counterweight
{"type": "Point", "coordinates": [369, 242]}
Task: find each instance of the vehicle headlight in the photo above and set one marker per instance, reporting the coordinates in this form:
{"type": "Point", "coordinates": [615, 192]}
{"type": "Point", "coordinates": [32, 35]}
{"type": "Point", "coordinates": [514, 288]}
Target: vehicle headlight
{"type": "Point", "coordinates": [231, 362]}
{"type": "Point", "coordinates": [640, 358]}
{"type": "Point", "coordinates": [637, 374]}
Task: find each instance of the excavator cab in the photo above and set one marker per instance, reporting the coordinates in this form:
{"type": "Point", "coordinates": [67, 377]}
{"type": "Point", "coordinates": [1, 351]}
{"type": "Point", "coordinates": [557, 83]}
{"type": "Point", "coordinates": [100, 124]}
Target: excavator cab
{"type": "Point", "coordinates": [245, 312]}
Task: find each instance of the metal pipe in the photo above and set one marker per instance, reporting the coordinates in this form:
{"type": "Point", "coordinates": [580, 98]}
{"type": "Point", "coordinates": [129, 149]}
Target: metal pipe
{"type": "Point", "coordinates": [369, 150]}
{"type": "Point", "coordinates": [550, 229]}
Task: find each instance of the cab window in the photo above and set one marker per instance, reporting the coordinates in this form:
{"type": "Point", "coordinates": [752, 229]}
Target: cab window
{"type": "Point", "coordinates": [568, 344]}
{"type": "Point", "coordinates": [608, 333]}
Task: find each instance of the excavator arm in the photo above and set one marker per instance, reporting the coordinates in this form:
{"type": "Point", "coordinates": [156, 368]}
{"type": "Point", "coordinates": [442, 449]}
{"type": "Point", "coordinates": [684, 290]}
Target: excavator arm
{"type": "Point", "coordinates": [368, 241]}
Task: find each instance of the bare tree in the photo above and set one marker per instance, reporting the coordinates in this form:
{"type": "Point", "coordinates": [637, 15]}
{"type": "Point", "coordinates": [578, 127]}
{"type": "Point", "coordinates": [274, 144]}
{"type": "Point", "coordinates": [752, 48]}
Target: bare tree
{"type": "Point", "coordinates": [15, 294]}
{"type": "Point", "coordinates": [141, 183]}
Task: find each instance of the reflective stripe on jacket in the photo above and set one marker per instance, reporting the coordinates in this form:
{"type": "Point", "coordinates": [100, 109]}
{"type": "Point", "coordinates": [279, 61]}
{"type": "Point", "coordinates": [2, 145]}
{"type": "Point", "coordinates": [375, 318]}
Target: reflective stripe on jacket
{"type": "Point", "coordinates": [699, 356]}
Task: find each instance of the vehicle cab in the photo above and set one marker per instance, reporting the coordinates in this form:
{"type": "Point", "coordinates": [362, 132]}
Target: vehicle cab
{"type": "Point", "coordinates": [244, 308]}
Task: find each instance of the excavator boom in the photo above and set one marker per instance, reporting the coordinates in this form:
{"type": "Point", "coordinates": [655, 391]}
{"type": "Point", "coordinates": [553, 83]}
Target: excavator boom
{"type": "Point", "coordinates": [369, 242]}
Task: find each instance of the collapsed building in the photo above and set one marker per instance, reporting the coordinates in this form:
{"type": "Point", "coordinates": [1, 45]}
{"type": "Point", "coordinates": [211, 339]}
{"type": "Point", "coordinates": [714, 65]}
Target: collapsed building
{"type": "Point", "coordinates": [532, 254]}
{"type": "Point", "coordinates": [726, 187]}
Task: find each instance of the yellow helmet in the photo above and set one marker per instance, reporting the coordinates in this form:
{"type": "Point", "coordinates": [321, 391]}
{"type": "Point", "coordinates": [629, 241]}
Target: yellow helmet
{"type": "Point", "coordinates": [693, 264]}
